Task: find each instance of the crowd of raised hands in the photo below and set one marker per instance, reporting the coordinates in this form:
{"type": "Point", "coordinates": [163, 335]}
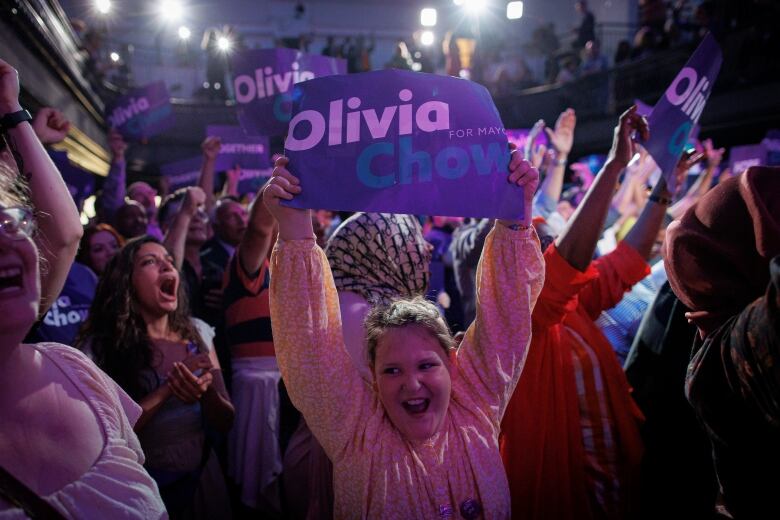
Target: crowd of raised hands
{"type": "Point", "coordinates": [186, 318]}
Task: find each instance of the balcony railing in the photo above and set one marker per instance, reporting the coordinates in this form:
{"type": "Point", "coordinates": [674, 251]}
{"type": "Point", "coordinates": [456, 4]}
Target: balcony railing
{"type": "Point", "coordinates": [44, 26]}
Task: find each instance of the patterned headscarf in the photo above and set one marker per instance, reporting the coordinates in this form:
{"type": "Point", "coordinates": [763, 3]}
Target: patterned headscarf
{"type": "Point", "coordinates": [379, 256]}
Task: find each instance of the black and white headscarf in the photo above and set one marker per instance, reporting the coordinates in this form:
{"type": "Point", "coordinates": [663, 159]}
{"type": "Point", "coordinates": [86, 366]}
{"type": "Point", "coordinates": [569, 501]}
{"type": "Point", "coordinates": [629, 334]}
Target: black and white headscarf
{"type": "Point", "coordinates": [379, 256]}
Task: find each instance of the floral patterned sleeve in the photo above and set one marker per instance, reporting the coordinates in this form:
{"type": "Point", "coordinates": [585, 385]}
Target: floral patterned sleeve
{"type": "Point", "coordinates": [320, 377]}
{"type": "Point", "coordinates": [509, 279]}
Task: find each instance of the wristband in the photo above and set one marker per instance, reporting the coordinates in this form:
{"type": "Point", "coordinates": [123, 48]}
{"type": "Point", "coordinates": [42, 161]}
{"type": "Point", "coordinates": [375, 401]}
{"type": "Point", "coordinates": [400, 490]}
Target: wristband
{"type": "Point", "coordinates": [659, 200]}
{"type": "Point", "coordinates": [13, 119]}
{"type": "Point", "coordinates": [561, 162]}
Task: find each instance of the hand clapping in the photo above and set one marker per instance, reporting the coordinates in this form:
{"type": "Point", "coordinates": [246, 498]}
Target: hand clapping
{"type": "Point", "coordinates": [185, 385]}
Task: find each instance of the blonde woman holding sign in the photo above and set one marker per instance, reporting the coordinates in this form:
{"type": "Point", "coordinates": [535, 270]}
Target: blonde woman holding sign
{"type": "Point", "coordinates": [422, 440]}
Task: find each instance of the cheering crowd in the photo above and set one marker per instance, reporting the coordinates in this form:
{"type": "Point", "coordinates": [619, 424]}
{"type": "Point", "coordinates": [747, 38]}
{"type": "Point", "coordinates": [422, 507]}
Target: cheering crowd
{"type": "Point", "coordinates": [611, 354]}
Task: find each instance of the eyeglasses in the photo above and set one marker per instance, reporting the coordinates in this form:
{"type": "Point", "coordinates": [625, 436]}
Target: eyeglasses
{"type": "Point", "coordinates": [16, 223]}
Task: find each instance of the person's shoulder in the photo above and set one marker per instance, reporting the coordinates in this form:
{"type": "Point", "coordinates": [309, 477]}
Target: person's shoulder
{"type": "Point", "coordinates": [82, 273]}
{"type": "Point", "coordinates": [60, 350]}
{"type": "Point", "coordinates": [77, 362]}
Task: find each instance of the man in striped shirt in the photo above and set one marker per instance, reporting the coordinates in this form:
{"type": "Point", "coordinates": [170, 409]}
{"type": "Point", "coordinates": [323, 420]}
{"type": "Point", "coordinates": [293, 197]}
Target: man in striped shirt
{"type": "Point", "coordinates": [254, 458]}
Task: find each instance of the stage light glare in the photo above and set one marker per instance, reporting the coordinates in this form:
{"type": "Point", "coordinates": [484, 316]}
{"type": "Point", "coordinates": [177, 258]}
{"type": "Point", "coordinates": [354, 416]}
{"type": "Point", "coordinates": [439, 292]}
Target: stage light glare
{"type": "Point", "coordinates": [474, 6]}
{"type": "Point", "coordinates": [514, 10]}
{"type": "Point", "coordinates": [427, 38]}
{"type": "Point", "coordinates": [114, 57]}
{"type": "Point", "coordinates": [428, 17]}
{"type": "Point", "coordinates": [457, 2]}
{"type": "Point", "coordinates": [223, 44]}
{"type": "Point", "coordinates": [103, 6]}
{"type": "Point", "coordinates": [171, 10]}
{"type": "Point", "coordinates": [184, 32]}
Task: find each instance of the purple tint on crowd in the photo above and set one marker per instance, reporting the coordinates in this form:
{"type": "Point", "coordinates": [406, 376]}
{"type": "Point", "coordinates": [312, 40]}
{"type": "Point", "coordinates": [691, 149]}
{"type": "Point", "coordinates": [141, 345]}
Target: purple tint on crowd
{"type": "Point", "coordinates": [401, 142]}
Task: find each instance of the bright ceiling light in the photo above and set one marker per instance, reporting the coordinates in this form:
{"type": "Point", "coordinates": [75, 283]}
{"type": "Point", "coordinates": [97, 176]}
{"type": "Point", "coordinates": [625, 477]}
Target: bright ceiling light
{"type": "Point", "coordinates": [184, 32]}
{"type": "Point", "coordinates": [171, 10]}
{"type": "Point", "coordinates": [103, 6]}
{"type": "Point", "coordinates": [223, 44]}
{"type": "Point", "coordinates": [428, 17]}
{"type": "Point", "coordinates": [474, 6]}
{"type": "Point", "coordinates": [427, 38]}
{"type": "Point", "coordinates": [114, 56]}
{"type": "Point", "coordinates": [514, 10]}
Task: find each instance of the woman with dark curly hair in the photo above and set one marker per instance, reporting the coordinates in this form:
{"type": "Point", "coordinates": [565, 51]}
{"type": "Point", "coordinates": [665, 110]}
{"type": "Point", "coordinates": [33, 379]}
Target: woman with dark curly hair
{"type": "Point", "coordinates": [141, 333]}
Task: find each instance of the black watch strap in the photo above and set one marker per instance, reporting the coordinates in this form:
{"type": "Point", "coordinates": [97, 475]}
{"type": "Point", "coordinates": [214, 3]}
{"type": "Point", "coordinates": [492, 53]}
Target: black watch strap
{"type": "Point", "coordinates": [13, 119]}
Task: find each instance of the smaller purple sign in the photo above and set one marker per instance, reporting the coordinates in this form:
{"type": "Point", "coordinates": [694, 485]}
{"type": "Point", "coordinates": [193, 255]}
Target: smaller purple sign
{"type": "Point", "coordinates": [743, 157]}
{"type": "Point", "coordinates": [263, 80]}
{"type": "Point", "coordinates": [80, 182]}
{"type": "Point", "coordinates": [250, 153]}
{"type": "Point", "coordinates": [401, 142]}
{"type": "Point", "coordinates": [678, 111]}
{"type": "Point", "coordinates": [182, 173]}
{"type": "Point", "coordinates": [142, 112]}
{"type": "Point", "coordinates": [772, 144]}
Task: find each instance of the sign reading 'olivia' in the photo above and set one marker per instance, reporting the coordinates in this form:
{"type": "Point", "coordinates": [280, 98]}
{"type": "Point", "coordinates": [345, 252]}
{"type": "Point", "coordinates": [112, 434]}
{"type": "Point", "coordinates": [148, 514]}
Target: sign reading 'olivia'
{"type": "Point", "coordinates": [248, 153]}
{"type": "Point", "coordinates": [263, 80]}
{"type": "Point", "coordinates": [400, 142]}
{"type": "Point", "coordinates": [142, 112]}
{"type": "Point", "coordinates": [681, 106]}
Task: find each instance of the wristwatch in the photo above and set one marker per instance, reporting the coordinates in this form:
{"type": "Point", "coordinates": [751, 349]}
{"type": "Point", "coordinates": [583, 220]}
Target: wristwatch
{"type": "Point", "coordinates": [12, 119]}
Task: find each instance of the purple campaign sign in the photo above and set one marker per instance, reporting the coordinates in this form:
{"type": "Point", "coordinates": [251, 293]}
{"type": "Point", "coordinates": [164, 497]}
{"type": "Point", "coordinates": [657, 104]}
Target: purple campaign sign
{"type": "Point", "coordinates": [182, 173]}
{"type": "Point", "coordinates": [251, 153]}
{"type": "Point", "coordinates": [642, 108]}
{"type": "Point", "coordinates": [400, 142]}
{"type": "Point", "coordinates": [743, 157]}
{"type": "Point", "coordinates": [143, 112]}
{"type": "Point", "coordinates": [80, 183]}
{"type": "Point", "coordinates": [680, 108]}
{"type": "Point", "coordinates": [263, 80]}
